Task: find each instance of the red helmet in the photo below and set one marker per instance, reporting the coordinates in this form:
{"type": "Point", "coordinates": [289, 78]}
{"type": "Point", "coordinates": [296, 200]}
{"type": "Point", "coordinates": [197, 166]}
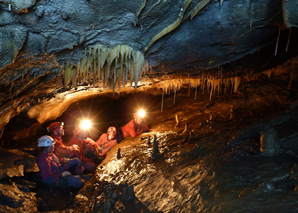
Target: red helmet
{"type": "Point", "coordinates": [112, 130]}
{"type": "Point", "coordinates": [54, 126]}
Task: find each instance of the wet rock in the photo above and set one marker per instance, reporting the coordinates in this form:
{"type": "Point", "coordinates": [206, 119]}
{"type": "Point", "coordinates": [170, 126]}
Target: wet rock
{"type": "Point", "coordinates": [186, 138]}
{"type": "Point", "coordinates": [108, 192]}
{"type": "Point", "coordinates": [294, 172]}
{"type": "Point", "coordinates": [266, 187]}
{"type": "Point", "coordinates": [107, 207]}
{"type": "Point", "coordinates": [98, 207]}
{"type": "Point", "coordinates": [128, 195]}
{"type": "Point", "coordinates": [12, 39]}
{"type": "Point", "coordinates": [269, 142]}
{"type": "Point", "coordinates": [22, 5]}
{"type": "Point", "coordinates": [15, 200]}
{"type": "Point", "coordinates": [14, 163]}
{"type": "Point", "coordinates": [80, 200]}
{"type": "Point", "coordinates": [119, 206]}
{"type": "Point", "coordinates": [115, 196]}
{"type": "Point", "coordinates": [39, 11]}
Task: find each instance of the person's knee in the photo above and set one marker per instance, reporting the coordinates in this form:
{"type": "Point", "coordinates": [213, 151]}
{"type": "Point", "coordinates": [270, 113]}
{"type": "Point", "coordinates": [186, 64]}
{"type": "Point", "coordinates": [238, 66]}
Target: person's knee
{"type": "Point", "coordinates": [75, 182]}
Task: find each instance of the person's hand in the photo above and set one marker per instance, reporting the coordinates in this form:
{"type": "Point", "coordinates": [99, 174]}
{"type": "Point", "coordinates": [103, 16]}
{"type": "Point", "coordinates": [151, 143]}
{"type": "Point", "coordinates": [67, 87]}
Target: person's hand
{"type": "Point", "coordinates": [66, 173]}
{"type": "Point", "coordinates": [76, 147]}
{"type": "Point", "coordinates": [89, 140]}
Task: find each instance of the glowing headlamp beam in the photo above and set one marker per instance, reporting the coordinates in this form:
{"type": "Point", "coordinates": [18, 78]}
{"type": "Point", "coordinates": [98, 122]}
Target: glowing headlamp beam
{"type": "Point", "coordinates": [85, 124]}
{"type": "Point", "coordinates": [141, 113]}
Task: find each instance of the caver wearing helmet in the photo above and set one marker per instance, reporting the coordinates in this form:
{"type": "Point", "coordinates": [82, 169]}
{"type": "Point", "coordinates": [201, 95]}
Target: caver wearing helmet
{"type": "Point", "coordinates": [55, 171]}
{"type": "Point", "coordinates": [87, 147]}
{"type": "Point", "coordinates": [133, 128]}
{"type": "Point", "coordinates": [45, 141]}
{"type": "Point", "coordinates": [55, 126]}
{"type": "Point", "coordinates": [112, 133]}
{"type": "Point", "coordinates": [56, 130]}
{"type": "Point", "coordinates": [107, 141]}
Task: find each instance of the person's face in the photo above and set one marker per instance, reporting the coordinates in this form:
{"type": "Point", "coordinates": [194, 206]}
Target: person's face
{"type": "Point", "coordinates": [50, 148]}
{"type": "Point", "coordinates": [139, 120]}
{"type": "Point", "coordinates": [111, 136]}
{"type": "Point", "coordinates": [80, 135]}
{"type": "Point", "coordinates": [59, 132]}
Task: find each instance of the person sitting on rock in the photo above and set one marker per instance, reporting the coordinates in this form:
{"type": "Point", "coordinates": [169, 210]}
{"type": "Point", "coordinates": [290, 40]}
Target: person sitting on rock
{"type": "Point", "coordinates": [133, 128]}
{"type": "Point", "coordinates": [61, 173]}
{"type": "Point", "coordinates": [107, 141]}
{"type": "Point", "coordinates": [56, 131]}
{"type": "Point", "coordinates": [88, 149]}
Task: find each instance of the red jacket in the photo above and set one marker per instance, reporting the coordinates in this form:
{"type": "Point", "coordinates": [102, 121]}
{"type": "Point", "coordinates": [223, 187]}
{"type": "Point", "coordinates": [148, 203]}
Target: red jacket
{"type": "Point", "coordinates": [133, 129]}
{"type": "Point", "coordinates": [81, 144]}
{"type": "Point", "coordinates": [50, 166]}
{"type": "Point", "coordinates": [105, 144]}
{"type": "Point", "coordinates": [64, 151]}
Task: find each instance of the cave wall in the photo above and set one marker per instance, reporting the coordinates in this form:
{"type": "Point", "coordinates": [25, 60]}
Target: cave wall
{"type": "Point", "coordinates": [37, 39]}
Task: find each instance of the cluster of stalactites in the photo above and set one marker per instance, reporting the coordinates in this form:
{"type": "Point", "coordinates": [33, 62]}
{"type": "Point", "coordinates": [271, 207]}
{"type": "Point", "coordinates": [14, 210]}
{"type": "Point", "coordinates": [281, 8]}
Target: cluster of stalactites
{"type": "Point", "coordinates": [209, 83]}
{"type": "Point", "coordinates": [109, 66]}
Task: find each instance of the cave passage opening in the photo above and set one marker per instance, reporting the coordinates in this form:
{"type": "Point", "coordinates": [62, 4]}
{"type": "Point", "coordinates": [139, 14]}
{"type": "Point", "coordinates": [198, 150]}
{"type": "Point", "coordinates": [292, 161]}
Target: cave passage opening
{"type": "Point", "coordinates": [103, 111]}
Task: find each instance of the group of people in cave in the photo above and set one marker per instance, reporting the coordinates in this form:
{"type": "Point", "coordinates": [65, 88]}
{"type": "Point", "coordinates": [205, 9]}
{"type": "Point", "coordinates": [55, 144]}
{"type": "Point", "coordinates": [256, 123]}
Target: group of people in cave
{"type": "Point", "coordinates": [63, 165]}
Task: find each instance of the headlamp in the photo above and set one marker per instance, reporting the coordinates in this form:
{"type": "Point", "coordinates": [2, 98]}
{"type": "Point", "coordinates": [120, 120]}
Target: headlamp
{"type": "Point", "coordinates": [85, 124]}
{"type": "Point", "coordinates": [141, 113]}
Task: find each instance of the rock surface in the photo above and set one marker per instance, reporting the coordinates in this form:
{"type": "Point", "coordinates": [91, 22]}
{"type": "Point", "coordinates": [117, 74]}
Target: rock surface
{"type": "Point", "coordinates": [15, 163]}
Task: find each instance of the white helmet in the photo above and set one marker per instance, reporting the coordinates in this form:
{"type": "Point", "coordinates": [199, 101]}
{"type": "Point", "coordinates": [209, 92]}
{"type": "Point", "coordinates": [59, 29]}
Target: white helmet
{"type": "Point", "coordinates": [45, 141]}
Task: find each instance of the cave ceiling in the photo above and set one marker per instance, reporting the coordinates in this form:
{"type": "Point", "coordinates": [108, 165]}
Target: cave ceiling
{"type": "Point", "coordinates": [56, 52]}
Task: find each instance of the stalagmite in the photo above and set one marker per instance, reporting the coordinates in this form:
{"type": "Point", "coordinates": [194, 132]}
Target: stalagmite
{"type": "Point", "coordinates": [118, 154]}
{"type": "Point", "coordinates": [192, 136]}
{"type": "Point", "coordinates": [155, 147]}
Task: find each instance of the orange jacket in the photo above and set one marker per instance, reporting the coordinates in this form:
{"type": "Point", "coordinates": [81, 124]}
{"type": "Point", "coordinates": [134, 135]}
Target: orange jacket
{"type": "Point", "coordinates": [133, 129]}
{"type": "Point", "coordinates": [105, 144]}
{"type": "Point", "coordinates": [62, 151]}
{"type": "Point", "coordinates": [82, 144]}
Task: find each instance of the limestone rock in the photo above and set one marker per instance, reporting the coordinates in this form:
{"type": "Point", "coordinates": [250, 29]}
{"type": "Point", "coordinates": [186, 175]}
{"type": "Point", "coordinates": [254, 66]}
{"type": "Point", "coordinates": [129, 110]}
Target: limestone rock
{"type": "Point", "coordinates": [14, 200]}
{"type": "Point", "coordinates": [14, 163]}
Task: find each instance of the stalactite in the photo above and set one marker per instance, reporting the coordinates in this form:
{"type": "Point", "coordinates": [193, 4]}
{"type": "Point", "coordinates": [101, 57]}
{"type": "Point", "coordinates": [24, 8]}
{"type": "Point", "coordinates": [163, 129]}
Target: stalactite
{"type": "Point", "coordinates": [109, 65]}
{"type": "Point", "coordinates": [196, 89]}
{"type": "Point", "coordinates": [237, 83]}
{"type": "Point", "coordinates": [162, 97]}
{"type": "Point", "coordinates": [288, 43]}
{"type": "Point", "coordinates": [276, 47]}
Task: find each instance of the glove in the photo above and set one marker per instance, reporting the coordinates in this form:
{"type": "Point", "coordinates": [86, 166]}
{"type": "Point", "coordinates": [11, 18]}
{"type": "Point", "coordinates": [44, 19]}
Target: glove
{"type": "Point", "coordinates": [66, 173]}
